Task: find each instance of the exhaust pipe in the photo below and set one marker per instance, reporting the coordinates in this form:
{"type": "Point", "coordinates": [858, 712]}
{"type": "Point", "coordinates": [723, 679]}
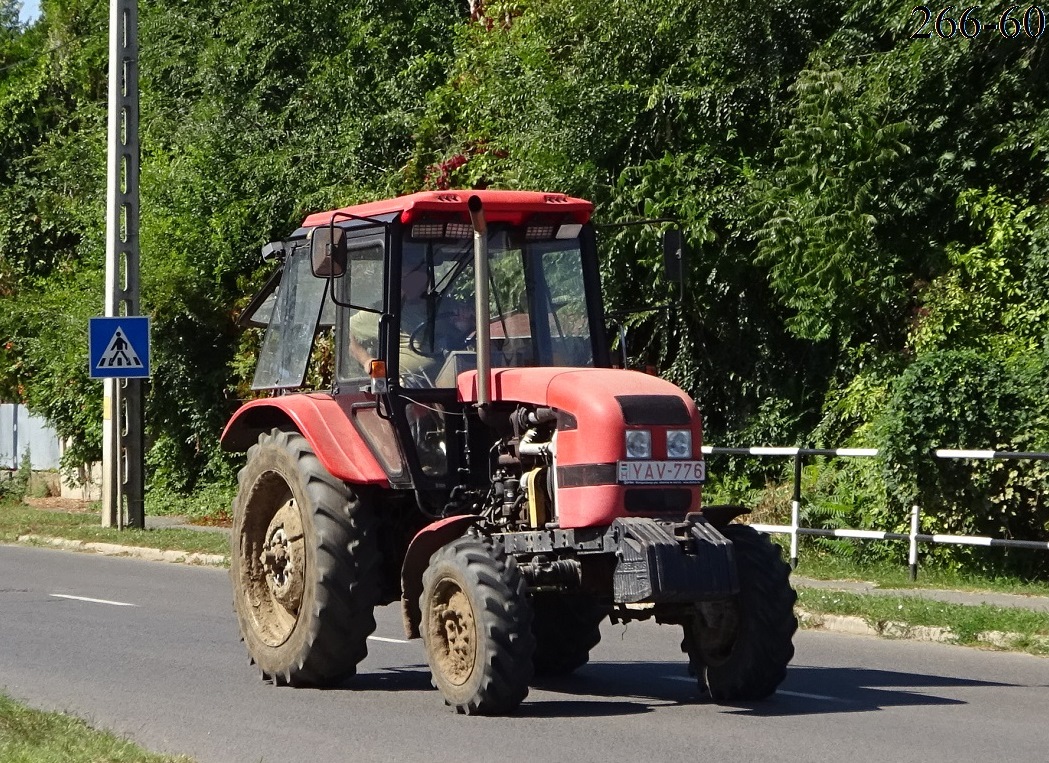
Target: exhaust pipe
{"type": "Point", "coordinates": [484, 320]}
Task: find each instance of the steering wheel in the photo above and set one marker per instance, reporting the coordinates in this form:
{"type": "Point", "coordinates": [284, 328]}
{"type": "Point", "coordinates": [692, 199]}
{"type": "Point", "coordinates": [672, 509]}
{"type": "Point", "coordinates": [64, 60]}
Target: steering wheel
{"type": "Point", "coordinates": [415, 343]}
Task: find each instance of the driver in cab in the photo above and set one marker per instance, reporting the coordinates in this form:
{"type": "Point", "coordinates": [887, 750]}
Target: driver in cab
{"type": "Point", "coordinates": [424, 340]}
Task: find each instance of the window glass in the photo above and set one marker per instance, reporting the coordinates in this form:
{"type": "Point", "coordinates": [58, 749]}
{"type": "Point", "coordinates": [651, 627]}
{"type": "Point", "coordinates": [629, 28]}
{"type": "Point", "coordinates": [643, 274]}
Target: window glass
{"type": "Point", "coordinates": [292, 326]}
{"type": "Point", "coordinates": [537, 306]}
{"type": "Point", "coordinates": [363, 289]}
{"type": "Point", "coordinates": [562, 298]}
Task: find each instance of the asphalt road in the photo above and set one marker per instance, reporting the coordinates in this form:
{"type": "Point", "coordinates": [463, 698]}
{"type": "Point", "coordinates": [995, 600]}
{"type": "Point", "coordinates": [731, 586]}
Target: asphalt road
{"type": "Point", "coordinates": [157, 657]}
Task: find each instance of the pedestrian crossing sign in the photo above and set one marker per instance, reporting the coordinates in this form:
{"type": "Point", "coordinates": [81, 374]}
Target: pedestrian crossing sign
{"type": "Point", "coordinates": [118, 347]}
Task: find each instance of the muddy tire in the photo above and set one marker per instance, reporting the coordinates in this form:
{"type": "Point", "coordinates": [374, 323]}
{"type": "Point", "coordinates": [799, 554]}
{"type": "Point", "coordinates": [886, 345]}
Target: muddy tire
{"type": "Point", "coordinates": [566, 628]}
{"type": "Point", "coordinates": [739, 650]}
{"type": "Point", "coordinates": [304, 565]}
{"type": "Point", "coordinates": [476, 627]}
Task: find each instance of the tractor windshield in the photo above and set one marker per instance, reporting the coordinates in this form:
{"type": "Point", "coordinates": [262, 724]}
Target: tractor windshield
{"type": "Point", "coordinates": [537, 305]}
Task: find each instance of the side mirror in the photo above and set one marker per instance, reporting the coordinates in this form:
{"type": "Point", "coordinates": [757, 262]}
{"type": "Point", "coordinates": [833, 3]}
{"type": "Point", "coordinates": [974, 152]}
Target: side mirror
{"type": "Point", "coordinates": [328, 252]}
{"type": "Point", "coordinates": [674, 255]}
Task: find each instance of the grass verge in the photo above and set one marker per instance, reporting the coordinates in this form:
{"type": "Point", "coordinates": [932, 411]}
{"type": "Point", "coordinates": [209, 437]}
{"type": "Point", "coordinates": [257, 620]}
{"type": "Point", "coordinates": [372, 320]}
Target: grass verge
{"type": "Point", "coordinates": [33, 736]}
{"type": "Point", "coordinates": [972, 625]}
{"type": "Point", "coordinates": [821, 565]}
{"type": "Point", "coordinates": [17, 519]}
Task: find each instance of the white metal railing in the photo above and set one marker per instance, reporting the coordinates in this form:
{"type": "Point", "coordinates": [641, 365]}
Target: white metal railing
{"type": "Point", "coordinates": [913, 537]}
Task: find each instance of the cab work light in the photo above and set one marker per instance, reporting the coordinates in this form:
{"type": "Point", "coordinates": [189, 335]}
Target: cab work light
{"type": "Point", "coordinates": [436, 229]}
{"type": "Point", "coordinates": [539, 232]}
{"type": "Point", "coordinates": [428, 230]}
{"type": "Point", "coordinates": [458, 230]}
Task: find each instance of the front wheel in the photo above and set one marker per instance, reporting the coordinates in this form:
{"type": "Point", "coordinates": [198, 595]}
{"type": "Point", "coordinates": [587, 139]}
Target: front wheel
{"type": "Point", "coordinates": [740, 649]}
{"type": "Point", "coordinates": [304, 564]}
{"type": "Point", "coordinates": [476, 627]}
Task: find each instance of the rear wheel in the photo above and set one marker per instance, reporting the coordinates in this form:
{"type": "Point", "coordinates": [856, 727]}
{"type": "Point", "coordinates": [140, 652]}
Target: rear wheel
{"type": "Point", "coordinates": [304, 567]}
{"type": "Point", "coordinates": [739, 649]}
{"type": "Point", "coordinates": [566, 628]}
{"type": "Point", "coordinates": [476, 627]}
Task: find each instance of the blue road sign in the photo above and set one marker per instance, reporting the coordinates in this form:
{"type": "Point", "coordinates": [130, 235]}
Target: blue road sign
{"type": "Point", "coordinates": [118, 348]}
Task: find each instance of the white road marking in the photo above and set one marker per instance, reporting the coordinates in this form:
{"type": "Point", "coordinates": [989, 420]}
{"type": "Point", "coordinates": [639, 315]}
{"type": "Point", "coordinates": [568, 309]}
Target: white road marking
{"type": "Point", "coordinates": [803, 695]}
{"type": "Point", "coordinates": [800, 694]}
{"type": "Point", "coordinates": [388, 640]}
{"type": "Point", "coordinates": [93, 601]}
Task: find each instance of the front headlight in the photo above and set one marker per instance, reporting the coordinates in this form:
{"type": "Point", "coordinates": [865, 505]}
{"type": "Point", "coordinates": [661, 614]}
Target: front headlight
{"type": "Point", "coordinates": [679, 443]}
{"type": "Point", "coordinates": [638, 443]}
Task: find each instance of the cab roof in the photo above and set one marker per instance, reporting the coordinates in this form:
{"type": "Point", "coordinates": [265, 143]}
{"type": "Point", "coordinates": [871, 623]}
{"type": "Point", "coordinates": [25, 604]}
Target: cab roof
{"type": "Point", "coordinates": [513, 207]}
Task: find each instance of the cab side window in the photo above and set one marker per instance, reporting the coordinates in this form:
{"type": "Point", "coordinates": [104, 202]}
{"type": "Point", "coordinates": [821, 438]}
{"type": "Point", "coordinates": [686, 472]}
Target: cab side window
{"type": "Point", "coordinates": [359, 324]}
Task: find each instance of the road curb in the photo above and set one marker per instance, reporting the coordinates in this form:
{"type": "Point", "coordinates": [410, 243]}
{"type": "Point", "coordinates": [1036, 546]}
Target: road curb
{"type": "Point", "coordinates": [859, 626]}
{"type": "Point", "coordinates": [135, 552]}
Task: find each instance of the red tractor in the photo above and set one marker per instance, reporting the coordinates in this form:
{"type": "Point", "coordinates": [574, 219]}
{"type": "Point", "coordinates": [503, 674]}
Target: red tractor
{"type": "Point", "coordinates": [477, 459]}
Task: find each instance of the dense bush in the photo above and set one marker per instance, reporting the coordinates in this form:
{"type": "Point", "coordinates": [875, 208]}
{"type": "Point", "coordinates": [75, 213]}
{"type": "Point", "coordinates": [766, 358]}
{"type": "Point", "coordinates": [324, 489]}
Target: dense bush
{"type": "Point", "coordinates": [964, 399]}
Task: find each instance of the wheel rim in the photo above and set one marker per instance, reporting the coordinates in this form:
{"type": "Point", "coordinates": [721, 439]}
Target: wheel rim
{"type": "Point", "coordinates": [453, 632]}
{"type": "Point", "coordinates": [274, 561]}
{"type": "Point", "coordinates": [282, 557]}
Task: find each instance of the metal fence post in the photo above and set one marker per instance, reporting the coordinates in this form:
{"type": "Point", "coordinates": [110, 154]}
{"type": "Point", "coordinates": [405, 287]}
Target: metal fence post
{"type": "Point", "coordinates": [15, 460]}
{"type": "Point", "coordinates": [795, 512]}
{"type": "Point", "coordinates": [913, 554]}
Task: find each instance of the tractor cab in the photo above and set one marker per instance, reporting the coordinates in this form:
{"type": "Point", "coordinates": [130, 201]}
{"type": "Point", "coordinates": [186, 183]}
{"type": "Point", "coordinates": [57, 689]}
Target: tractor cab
{"type": "Point", "coordinates": [394, 284]}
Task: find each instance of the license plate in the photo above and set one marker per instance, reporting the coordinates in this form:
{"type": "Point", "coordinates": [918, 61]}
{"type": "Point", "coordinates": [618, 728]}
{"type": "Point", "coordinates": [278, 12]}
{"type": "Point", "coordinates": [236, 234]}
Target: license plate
{"type": "Point", "coordinates": [662, 472]}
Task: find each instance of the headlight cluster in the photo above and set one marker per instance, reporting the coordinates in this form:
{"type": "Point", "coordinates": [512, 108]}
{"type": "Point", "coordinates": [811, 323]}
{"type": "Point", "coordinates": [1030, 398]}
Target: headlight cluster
{"type": "Point", "coordinates": [679, 443]}
{"type": "Point", "coordinates": [639, 443]}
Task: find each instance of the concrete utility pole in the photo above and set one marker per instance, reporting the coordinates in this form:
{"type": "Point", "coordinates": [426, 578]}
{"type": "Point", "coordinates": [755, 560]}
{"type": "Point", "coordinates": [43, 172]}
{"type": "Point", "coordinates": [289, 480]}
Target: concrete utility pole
{"type": "Point", "coordinates": [122, 423]}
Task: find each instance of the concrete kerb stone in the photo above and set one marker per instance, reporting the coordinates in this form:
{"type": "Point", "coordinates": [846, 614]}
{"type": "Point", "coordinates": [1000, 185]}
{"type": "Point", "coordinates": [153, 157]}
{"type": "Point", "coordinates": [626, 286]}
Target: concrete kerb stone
{"type": "Point", "coordinates": [136, 552]}
{"type": "Point", "coordinates": [855, 626]}
{"type": "Point", "coordinates": [859, 626]}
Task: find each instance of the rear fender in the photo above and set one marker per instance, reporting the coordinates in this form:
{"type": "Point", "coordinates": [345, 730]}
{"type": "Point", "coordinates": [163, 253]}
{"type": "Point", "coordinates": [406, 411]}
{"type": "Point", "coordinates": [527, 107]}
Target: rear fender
{"type": "Point", "coordinates": [328, 425]}
{"type": "Point", "coordinates": [423, 545]}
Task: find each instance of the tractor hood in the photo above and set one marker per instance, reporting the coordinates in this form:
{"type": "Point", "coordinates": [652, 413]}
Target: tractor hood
{"type": "Point", "coordinates": [603, 401]}
{"type": "Point", "coordinates": [602, 404]}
